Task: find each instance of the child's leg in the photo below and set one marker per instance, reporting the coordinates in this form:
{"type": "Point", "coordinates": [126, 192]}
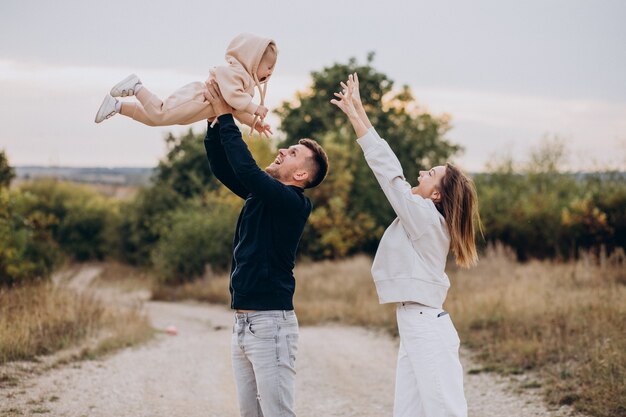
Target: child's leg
{"type": "Point", "coordinates": [186, 105]}
{"type": "Point", "coordinates": [136, 111]}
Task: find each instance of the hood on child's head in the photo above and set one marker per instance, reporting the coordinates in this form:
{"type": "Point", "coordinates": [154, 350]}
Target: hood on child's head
{"type": "Point", "coordinates": [248, 50]}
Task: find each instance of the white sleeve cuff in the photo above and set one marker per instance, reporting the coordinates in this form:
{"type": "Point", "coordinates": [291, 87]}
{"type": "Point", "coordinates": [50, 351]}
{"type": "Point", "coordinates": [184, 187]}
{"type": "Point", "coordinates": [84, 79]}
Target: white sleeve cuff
{"type": "Point", "coordinates": [371, 129]}
{"type": "Point", "coordinates": [251, 107]}
{"type": "Point", "coordinates": [368, 140]}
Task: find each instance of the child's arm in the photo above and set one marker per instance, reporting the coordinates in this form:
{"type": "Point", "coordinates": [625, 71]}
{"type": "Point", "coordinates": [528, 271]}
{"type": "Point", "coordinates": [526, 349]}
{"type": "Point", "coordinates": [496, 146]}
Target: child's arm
{"type": "Point", "coordinates": [248, 120]}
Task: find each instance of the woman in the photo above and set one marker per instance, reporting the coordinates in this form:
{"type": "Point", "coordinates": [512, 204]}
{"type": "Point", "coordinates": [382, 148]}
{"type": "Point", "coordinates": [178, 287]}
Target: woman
{"type": "Point", "coordinates": [409, 267]}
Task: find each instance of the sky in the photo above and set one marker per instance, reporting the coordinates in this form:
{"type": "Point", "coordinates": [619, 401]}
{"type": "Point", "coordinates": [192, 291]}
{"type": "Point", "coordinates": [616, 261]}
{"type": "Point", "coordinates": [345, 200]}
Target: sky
{"type": "Point", "coordinates": [510, 74]}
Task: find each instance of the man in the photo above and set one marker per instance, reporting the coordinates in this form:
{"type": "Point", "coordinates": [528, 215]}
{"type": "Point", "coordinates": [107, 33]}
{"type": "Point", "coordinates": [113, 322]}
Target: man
{"type": "Point", "coordinates": [265, 335]}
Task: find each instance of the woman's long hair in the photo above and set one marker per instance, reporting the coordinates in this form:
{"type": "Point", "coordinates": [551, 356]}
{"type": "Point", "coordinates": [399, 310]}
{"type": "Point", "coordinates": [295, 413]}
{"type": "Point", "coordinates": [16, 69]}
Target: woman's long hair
{"type": "Point", "coordinates": [459, 205]}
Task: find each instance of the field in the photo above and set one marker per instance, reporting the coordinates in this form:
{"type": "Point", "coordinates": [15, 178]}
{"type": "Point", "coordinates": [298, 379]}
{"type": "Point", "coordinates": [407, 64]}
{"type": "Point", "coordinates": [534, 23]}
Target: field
{"type": "Point", "coordinates": [564, 321]}
{"type": "Point", "coordinates": [40, 319]}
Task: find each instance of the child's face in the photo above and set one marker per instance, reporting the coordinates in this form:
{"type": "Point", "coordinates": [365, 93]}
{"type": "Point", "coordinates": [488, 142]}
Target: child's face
{"type": "Point", "coordinates": [266, 66]}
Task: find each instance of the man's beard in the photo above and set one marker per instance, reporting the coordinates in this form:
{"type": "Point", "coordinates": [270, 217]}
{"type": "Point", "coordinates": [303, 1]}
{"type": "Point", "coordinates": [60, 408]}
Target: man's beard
{"type": "Point", "coordinates": [274, 172]}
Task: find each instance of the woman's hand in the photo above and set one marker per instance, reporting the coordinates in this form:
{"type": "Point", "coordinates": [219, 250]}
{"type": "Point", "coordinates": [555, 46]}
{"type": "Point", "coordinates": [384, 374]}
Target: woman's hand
{"type": "Point", "coordinates": [353, 84]}
{"type": "Point", "coordinates": [346, 102]}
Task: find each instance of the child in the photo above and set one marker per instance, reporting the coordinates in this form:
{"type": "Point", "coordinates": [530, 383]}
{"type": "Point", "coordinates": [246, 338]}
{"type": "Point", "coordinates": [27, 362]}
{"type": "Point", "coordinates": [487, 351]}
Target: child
{"type": "Point", "coordinates": [251, 61]}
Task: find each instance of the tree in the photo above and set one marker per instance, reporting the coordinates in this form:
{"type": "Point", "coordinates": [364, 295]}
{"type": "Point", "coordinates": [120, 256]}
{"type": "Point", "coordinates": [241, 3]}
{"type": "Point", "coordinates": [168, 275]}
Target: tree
{"type": "Point", "coordinates": [417, 137]}
{"type": "Point", "coordinates": [184, 169]}
{"type": "Point", "coordinates": [182, 177]}
{"type": "Point", "coordinates": [7, 173]}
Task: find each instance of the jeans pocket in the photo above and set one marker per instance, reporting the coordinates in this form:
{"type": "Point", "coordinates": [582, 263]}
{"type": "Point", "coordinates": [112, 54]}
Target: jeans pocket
{"type": "Point", "coordinates": [263, 329]}
{"type": "Point", "coordinates": [447, 332]}
{"type": "Point", "coordinates": [292, 348]}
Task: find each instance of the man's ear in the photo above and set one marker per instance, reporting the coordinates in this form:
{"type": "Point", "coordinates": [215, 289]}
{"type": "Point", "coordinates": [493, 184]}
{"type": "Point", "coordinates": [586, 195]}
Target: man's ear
{"type": "Point", "coordinates": [435, 196]}
{"type": "Point", "coordinates": [300, 175]}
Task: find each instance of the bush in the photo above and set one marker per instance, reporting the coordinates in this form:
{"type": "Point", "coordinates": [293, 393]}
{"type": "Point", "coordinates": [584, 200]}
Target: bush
{"type": "Point", "coordinates": [196, 234]}
{"type": "Point", "coordinates": [80, 218]}
{"type": "Point", "coordinates": [27, 250]}
{"type": "Point", "coordinates": [140, 222]}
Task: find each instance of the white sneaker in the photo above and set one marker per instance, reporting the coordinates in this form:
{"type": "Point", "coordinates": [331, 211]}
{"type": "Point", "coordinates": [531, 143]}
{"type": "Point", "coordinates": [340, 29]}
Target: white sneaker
{"type": "Point", "coordinates": [107, 108]}
{"type": "Point", "coordinates": [126, 87]}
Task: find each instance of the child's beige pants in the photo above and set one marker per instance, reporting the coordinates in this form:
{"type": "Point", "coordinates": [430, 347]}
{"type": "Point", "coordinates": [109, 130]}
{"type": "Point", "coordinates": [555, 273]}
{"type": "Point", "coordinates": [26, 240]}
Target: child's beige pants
{"type": "Point", "coordinates": [185, 106]}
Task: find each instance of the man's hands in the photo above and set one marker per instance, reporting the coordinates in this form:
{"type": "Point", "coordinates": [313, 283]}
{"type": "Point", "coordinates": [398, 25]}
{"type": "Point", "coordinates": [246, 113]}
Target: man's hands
{"type": "Point", "coordinates": [213, 96]}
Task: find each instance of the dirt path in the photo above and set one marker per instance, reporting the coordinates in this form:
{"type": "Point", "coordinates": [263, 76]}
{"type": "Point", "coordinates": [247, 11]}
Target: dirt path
{"type": "Point", "coordinates": [342, 371]}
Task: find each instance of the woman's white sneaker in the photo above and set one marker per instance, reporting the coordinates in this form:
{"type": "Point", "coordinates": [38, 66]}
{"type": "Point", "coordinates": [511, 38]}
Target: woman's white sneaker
{"type": "Point", "coordinates": [126, 87]}
{"type": "Point", "coordinates": [107, 109]}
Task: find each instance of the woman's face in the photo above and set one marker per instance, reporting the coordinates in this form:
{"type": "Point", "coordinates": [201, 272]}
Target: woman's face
{"type": "Point", "coordinates": [428, 183]}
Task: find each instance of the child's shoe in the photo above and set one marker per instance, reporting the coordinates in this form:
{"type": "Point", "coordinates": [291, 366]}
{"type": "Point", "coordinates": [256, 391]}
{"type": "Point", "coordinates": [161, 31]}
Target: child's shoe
{"type": "Point", "coordinates": [127, 87]}
{"type": "Point", "coordinates": [107, 108]}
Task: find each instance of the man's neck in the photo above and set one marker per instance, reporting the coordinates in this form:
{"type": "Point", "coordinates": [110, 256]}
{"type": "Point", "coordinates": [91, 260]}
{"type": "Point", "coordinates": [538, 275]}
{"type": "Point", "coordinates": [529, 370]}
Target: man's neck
{"type": "Point", "coordinates": [294, 183]}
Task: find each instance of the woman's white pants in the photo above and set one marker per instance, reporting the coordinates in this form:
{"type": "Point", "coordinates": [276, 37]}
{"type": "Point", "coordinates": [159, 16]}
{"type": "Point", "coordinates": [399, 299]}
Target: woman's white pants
{"type": "Point", "coordinates": [429, 378]}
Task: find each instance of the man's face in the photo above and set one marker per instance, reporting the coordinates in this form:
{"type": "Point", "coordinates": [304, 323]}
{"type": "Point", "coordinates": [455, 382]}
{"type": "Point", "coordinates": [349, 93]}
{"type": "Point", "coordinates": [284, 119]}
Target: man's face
{"type": "Point", "coordinates": [290, 164]}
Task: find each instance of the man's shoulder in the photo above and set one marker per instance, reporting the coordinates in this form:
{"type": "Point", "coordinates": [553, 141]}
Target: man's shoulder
{"type": "Point", "coordinates": [290, 197]}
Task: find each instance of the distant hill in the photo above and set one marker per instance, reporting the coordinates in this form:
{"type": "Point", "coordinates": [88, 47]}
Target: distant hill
{"type": "Point", "coordinates": [127, 176]}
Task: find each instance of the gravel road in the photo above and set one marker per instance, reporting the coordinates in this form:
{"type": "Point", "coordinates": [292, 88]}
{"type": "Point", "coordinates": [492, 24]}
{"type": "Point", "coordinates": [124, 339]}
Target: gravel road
{"type": "Point", "coordinates": [342, 371]}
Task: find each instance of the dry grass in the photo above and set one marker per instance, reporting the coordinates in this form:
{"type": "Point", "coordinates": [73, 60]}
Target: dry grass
{"type": "Point", "coordinates": [123, 277]}
{"type": "Point", "coordinates": [213, 288]}
{"type": "Point", "coordinates": [327, 292]}
{"type": "Point", "coordinates": [565, 321]}
{"type": "Point", "coordinates": [41, 319]}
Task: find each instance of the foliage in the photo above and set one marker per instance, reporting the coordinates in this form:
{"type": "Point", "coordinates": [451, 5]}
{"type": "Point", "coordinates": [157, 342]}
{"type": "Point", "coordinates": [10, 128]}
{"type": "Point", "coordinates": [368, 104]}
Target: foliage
{"type": "Point", "coordinates": [185, 170]}
{"type": "Point", "coordinates": [181, 179]}
{"type": "Point", "coordinates": [198, 233]}
{"type": "Point", "coordinates": [351, 210]}
{"type": "Point", "coordinates": [27, 250]}
{"type": "Point", "coordinates": [7, 173]}
{"type": "Point", "coordinates": [336, 227]}
{"type": "Point", "coordinates": [140, 222]}
{"type": "Point", "coordinates": [542, 212]}
{"type": "Point", "coordinates": [80, 217]}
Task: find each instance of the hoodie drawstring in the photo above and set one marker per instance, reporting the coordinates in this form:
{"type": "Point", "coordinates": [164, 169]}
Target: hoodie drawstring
{"type": "Point", "coordinates": [262, 94]}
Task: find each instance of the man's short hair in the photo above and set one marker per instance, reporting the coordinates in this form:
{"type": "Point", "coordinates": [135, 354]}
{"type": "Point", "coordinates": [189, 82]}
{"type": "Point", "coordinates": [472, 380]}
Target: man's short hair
{"type": "Point", "coordinates": [318, 163]}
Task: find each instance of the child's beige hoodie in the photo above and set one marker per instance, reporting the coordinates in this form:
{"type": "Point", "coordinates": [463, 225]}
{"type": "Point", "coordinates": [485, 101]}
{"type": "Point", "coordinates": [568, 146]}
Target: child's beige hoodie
{"type": "Point", "coordinates": [236, 80]}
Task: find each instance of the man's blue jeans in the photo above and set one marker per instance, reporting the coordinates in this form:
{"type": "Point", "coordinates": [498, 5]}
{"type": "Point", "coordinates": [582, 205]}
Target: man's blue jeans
{"type": "Point", "coordinates": [264, 346]}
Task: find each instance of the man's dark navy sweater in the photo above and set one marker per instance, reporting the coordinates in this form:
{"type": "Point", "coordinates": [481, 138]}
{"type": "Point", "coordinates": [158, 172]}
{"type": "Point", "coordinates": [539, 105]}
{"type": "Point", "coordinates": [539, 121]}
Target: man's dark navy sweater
{"type": "Point", "coordinates": [269, 226]}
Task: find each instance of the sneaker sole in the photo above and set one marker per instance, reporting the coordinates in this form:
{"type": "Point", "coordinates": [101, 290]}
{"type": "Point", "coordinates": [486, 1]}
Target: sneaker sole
{"type": "Point", "coordinates": [107, 103]}
{"type": "Point", "coordinates": [117, 91]}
